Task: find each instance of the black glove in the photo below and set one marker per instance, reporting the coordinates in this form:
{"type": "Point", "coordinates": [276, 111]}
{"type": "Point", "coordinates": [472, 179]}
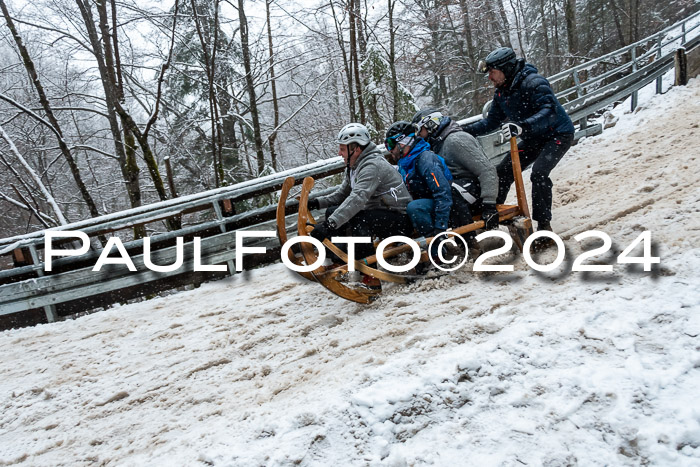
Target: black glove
{"type": "Point", "coordinates": [313, 204]}
{"type": "Point", "coordinates": [490, 216]}
{"type": "Point", "coordinates": [511, 129]}
{"type": "Point", "coordinates": [321, 231]}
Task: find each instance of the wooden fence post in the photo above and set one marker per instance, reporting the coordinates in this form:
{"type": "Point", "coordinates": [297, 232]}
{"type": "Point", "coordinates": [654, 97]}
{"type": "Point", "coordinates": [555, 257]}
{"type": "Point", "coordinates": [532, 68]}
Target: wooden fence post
{"type": "Point", "coordinates": [681, 67]}
{"type": "Point", "coordinates": [634, 68]}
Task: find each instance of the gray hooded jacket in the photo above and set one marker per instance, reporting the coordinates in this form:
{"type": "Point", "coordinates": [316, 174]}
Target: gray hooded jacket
{"type": "Point", "coordinates": [466, 159]}
{"type": "Point", "coordinates": [372, 183]}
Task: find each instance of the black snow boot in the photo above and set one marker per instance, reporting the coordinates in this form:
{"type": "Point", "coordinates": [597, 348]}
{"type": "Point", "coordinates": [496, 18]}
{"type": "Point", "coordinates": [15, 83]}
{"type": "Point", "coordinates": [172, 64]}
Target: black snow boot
{"type": "Point", "coordinates": [543, 243]}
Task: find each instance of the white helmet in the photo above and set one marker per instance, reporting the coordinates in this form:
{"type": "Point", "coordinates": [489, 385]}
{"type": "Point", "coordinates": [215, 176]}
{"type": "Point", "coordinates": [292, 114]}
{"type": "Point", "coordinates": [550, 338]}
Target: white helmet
{"type": "Point", "coordinates": [354, 133]}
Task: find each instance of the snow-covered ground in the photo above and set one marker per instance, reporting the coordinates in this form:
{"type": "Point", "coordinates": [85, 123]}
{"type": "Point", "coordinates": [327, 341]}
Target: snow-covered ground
{"type": "Point", "coordinates": [521, 368]}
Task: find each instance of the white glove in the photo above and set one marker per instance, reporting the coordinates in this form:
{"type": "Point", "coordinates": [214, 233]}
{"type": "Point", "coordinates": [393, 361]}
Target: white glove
{"type": "Point", "coordinates": [508, 130]}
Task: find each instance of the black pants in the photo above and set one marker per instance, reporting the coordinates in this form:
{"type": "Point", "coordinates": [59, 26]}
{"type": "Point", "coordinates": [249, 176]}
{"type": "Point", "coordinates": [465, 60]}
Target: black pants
{"type": "Point", "coordinates": [380, 223]}
{"type": "Point", "coordinates": [543, 155]}
{"type": "Point", "coordinates": [463, 209]}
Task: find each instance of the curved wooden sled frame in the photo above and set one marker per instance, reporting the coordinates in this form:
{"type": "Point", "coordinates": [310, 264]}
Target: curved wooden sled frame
{"type": "Point", "coordinates": [329, 277]}
{"type": "Point", "coordinates": [328, 280]}
{"type": "Point", "coordinates": [282, 226]}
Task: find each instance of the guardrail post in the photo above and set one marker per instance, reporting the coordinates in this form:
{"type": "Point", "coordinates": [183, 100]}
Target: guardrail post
{"type": "Point", "coordinates": [681, 67]}
{"type": "Point", "coordinates": [634, 68]}
{"type": "Point", "coordinates": [222, 226]}
{"type": "Point", "coordinates": [26, 256]}
{"type": "Point", "coordinates": [583, 123]}
{"type": "Point", "coordinates": [49, 310]}
{"type": "Point", "coordinates": [683, 32]}
{"type": "Point", "coordinates": [660, 79]}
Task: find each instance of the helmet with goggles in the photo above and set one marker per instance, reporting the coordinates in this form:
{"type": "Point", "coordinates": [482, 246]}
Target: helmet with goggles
{"type": "Point", "coordinates": [428, 118]}
{"type": "Point", "coordinates": [398, 131]}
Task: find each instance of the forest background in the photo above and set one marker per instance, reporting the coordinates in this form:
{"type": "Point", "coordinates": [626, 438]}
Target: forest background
{"type": "Point", "coordinates": [98, 97]}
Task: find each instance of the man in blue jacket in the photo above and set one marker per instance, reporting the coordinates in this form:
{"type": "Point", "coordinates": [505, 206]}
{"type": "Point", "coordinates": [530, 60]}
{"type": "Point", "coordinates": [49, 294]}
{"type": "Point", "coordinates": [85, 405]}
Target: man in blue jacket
{"type": "Point", "coordinates": [429, 182]}
{"type": "Point", "coordinates": [426, 176]}
{"type": "Point", "coordinates": [475, 184]}
{"type": "Point", "coordinates": [526, 100]}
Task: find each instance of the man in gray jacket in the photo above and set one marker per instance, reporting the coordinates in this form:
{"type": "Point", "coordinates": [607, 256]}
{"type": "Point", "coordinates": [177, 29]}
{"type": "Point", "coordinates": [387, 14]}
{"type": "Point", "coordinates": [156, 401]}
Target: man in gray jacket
{"type": "Point", "coordinates": [371, 201]}
{"type": "Point", "coordinates": [475, 184]}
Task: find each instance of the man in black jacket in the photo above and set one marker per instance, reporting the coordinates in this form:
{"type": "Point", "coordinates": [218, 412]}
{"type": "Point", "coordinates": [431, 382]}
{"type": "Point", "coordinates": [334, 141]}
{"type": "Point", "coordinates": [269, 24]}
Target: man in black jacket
{"type": "Point", "coordinates": [526, 100]}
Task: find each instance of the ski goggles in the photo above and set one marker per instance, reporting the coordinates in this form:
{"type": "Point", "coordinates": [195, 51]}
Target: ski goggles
{"type": "Point", "coordinates": [482, 67]}
{"type": "Point", "coordinates": [392, 141]}
{"type": "Point", "coordinates": [430, 122]}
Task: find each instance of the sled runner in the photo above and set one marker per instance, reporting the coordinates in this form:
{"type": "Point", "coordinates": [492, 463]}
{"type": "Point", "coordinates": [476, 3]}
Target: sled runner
{"type": "Point", "coordinates": [515, 217]}
{"type": "Point", "coordinates": [282, 228]}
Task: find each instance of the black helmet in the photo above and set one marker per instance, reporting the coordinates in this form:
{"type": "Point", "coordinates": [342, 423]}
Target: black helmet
{"type": "Point", "coordinates": [503, 58]}
{"type": "Point", "coordinates": [397, 131]}
{"type": "Point", "coordinates": [428, 119]}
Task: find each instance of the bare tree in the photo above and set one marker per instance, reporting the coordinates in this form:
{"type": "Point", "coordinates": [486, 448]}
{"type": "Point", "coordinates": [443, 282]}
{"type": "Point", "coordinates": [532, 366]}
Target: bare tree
{"type": "Point", "coordinates": [56, 128]}
{"type": "Point", "coordinates": [354, 56]}
{"type": "Point", "coordinates": [102, 50]}
{"type": "Point", "coordinates": [250, 84]}
{"type": "Point", "coordinates": [275, 106]}
{"type": "Point", "coordinates": [571, 34]}
{"type": "Point", "coordinates": [209, 54]}
{"type": "Point", "coordinates": [47, 195]}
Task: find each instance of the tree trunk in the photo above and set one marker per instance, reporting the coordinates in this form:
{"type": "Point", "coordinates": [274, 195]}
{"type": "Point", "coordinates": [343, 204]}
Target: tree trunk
{"type": "Point", "coordinates": [392, 61]}
{"type": "Point", "coordinates": [354, 57]}
{"type": "Point", "coordinates": [572, 38]}
{"type": "Point", "coordinates": [504, 23]}
{"type": "Point", "coordinates": [361, 38]}
{"type": "Point", "coordinates": [212, 97]}
{"type": "Point", "coordinates": [31, 70]}
{"type": "Point", "coordinates": [557, 53]}
{"type": "Point", "coordinates": [230, 150]}
{"type": "Point", "coordinates": [275, 108]}
{"type": "Point", "coordinates": [545, 35]}
{"type": "Point", "coordinates": [126, 148]}
{"type": "Point", "coordinates": [346, 64]}
{"type": "Point", "coordinates": [110, 95]}
{"type": "Point", "coordinates": [471, 52]}
{"type": "Point", "coordinates": [245, 49]}
{"type": "Point", "coordinates": [440, 89]}
{"type": "Point", "coordinates": [618, 24]}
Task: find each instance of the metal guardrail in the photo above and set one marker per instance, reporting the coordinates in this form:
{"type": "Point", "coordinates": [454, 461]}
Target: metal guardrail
{"type": "Point", "coordinates": [72, 286]}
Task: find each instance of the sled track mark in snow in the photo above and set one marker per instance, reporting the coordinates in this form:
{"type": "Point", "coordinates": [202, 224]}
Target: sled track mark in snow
{"type": "Point", "coordinates": [208, 365]}
{"type": "Point", "coordinates": [326, 322]}
{"type": "Point", "coordinates": [117, 397]}
{"type": "Point", "coordinates": [618, 215]}
{"type": "Point", "coordinates": [285, 288]}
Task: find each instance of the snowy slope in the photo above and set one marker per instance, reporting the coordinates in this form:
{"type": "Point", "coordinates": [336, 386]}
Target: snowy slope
{"type": "Point", "coordinates": [516, 368]}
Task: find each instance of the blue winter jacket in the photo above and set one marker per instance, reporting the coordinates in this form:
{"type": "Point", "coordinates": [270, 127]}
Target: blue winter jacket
{"type": "Point", "coordinates": [529, 102]}
{"type": "Point", "coordinates": [427, 177]}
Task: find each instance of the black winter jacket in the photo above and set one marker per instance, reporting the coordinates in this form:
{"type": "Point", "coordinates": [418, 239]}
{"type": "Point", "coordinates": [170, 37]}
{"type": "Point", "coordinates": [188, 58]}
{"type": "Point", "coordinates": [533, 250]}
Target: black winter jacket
{"type": "Point", "coordinates": [529, 102]}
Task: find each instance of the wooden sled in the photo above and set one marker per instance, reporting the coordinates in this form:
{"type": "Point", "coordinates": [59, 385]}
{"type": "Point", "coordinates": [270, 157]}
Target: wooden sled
{"type": "Point", "coordinates": [331, 278]}
{"type": "Point", "coordinates": [282, 226]}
